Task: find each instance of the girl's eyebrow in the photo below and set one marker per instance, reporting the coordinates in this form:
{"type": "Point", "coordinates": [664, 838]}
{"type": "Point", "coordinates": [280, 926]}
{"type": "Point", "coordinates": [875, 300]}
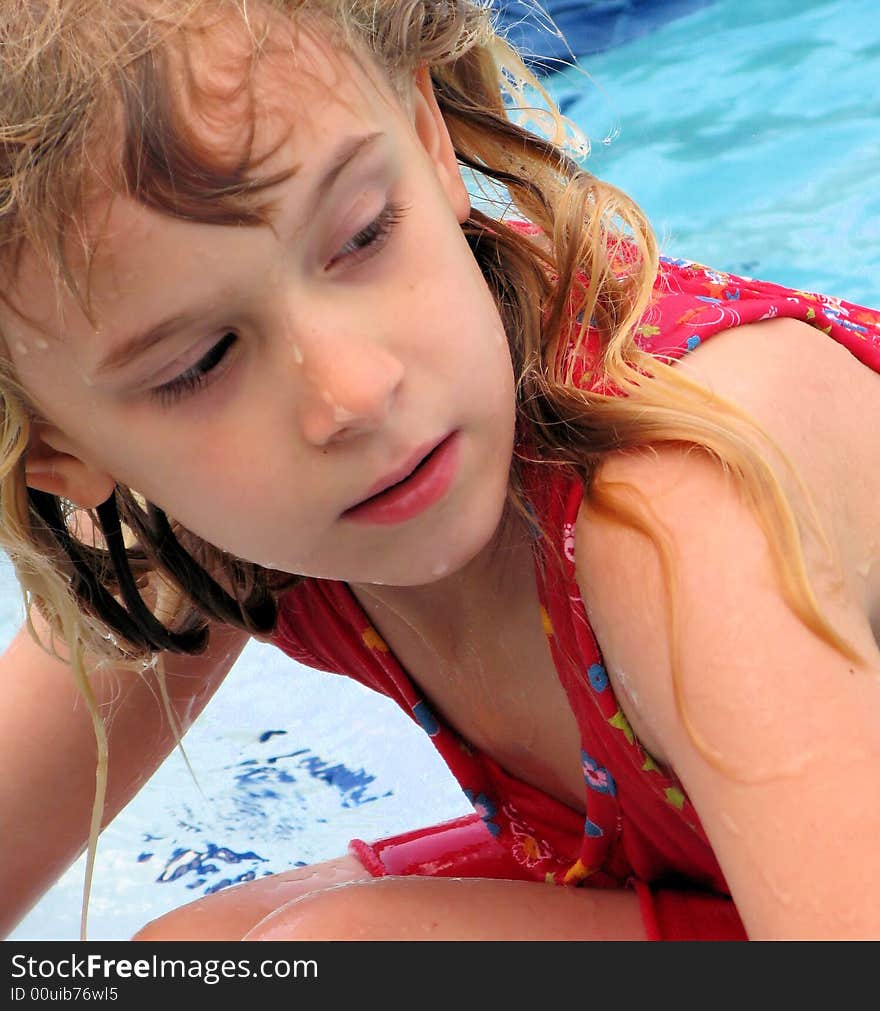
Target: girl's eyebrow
{"type": "Point", "coordinates": [346, 154]}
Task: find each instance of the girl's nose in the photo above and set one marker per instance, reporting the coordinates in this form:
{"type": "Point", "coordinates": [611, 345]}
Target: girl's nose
{"type": "Point", "coordinates": [349, 388]}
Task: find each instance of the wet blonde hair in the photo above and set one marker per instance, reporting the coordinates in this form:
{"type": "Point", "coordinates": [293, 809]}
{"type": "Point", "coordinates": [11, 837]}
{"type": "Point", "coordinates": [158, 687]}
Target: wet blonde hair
{"type": "Point", "coordinates": [77, 74]}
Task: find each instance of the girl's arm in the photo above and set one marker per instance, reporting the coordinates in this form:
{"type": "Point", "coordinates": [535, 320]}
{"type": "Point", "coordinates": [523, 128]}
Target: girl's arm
{"type": "Point", "coordinates": [777, 740]}
{"type": "Point", "coordinates": [48, 754]}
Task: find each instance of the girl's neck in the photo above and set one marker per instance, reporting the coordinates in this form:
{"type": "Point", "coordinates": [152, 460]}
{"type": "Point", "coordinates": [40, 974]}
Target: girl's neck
{"type": "Point", "coordinates": [445, 614]}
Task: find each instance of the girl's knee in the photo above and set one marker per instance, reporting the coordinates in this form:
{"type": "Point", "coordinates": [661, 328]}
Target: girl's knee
{"type": "Point", "coordinates": [352, 911]}
{"type": "Point", "coordinates": [414, 908]}
{"type": "Point", "coordinates": [229, 914]}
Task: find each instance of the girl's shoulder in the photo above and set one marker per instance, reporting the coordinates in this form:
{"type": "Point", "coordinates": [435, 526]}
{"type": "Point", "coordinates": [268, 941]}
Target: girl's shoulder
{"type": "Point", "coordinates": [819, 405]}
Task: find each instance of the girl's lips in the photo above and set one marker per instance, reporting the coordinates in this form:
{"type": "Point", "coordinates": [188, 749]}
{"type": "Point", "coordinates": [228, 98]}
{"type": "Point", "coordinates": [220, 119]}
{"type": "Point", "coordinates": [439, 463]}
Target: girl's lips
{"type": "Point", "coordinates": [422, 484]}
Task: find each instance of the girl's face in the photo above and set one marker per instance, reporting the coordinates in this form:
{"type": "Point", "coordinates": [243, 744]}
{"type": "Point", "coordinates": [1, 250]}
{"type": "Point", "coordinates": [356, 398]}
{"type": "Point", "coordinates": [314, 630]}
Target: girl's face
{"type": "Point", "coordinates": [288, 368]}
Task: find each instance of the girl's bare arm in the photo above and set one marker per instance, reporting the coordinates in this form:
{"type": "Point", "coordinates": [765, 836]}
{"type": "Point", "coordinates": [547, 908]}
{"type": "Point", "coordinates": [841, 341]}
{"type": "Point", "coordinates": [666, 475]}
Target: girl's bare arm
{"type": "Point", "coordinates": [774, 734]}
{"type": "Point", "coordinates": [48, 753]}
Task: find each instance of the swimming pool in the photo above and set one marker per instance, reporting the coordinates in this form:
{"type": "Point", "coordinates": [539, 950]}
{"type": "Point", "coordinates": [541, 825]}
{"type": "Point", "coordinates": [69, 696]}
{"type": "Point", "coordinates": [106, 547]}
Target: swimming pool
{"type": "Point", "coordinates": [750, 133]}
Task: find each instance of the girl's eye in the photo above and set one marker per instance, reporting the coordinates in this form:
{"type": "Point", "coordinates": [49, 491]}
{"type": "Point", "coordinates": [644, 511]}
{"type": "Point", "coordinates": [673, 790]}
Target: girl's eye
{"type": "Point", "coordinates": [196, 376]}
{"type": "Point", "coordinates": [371, 239]}
{"type": "Point", "coordinates": [366, 243]}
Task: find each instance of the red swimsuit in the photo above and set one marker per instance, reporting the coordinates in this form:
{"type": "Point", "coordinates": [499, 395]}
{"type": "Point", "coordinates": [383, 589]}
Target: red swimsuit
{"type": "Point", "coordinates": [639, 823]}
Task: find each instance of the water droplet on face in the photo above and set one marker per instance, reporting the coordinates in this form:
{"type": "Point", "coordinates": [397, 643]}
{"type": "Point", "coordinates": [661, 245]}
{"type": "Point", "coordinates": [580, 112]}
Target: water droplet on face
{"type": "Point", "coordinates": [341, 415]}
{"type": "Point", "coordinates": [40, 344]}
{"type": "Point", "coordinates": [441, 569]}
{"type": "Point", "coordinates": [21, 347]}
{"type": "Point", "coordinates": [298, 355]}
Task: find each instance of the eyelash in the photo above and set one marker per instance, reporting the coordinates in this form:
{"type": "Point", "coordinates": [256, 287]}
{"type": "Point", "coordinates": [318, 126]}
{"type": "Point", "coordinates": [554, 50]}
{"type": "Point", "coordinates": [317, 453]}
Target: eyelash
{"type": "Point", "coordinates": [375, 235]}
{"type": "Point", "coordinates": [371, 240]}
{"type": "Point", "coordinates": [195, 377]}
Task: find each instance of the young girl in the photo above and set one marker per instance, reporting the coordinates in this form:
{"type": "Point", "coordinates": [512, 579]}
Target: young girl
{"type": "Point", "coordinates": [604, 525]}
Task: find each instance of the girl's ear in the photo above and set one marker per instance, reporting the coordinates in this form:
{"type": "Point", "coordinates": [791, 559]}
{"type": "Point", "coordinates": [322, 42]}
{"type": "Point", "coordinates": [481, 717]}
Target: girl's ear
{"type": "Point", "coordinates": [52, 465]}
{"type": "Point", "coordinates": [430, 126]}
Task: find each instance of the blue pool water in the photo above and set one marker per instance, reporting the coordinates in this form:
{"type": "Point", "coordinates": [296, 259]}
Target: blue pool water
{"type": "Point", "coordinates": [750, 133]}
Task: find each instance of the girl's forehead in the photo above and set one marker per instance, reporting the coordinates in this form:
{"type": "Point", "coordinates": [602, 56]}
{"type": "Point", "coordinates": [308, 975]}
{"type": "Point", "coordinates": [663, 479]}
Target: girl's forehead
{"type": "Point", "coordinates": [240, 98]}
